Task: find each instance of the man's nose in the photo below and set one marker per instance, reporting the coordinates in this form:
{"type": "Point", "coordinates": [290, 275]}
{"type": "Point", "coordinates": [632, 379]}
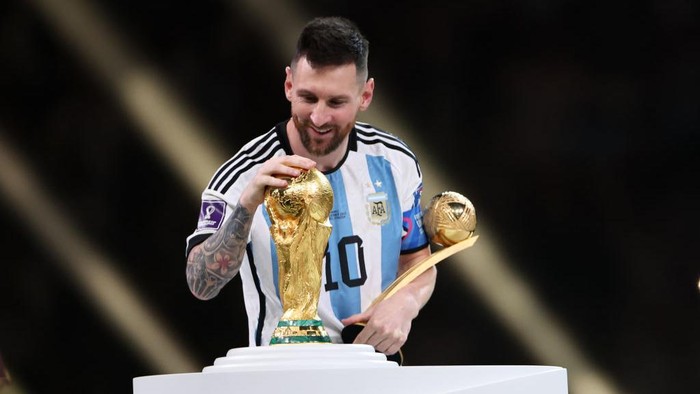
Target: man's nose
{"type": "Point", "coordinates": [320, 115]}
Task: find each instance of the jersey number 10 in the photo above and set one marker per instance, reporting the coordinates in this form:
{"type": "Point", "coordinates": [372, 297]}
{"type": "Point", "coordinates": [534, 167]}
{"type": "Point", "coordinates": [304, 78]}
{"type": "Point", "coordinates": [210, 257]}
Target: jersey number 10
{"type": "Point", "coordinates": [352, 241]}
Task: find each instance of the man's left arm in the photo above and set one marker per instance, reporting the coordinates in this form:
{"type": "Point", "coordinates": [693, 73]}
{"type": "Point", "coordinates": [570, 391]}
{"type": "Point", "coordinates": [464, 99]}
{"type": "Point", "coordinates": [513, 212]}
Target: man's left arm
{"type": "Point", "coordinates": [389, 322]}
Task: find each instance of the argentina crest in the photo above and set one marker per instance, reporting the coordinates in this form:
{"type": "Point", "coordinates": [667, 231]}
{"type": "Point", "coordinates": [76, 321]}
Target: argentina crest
{"type": "Point", "coordinates": [378, 210]}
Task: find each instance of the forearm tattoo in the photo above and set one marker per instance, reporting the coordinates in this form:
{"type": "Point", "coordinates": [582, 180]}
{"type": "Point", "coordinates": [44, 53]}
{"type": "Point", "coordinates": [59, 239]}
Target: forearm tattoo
{"type": "Point", "coordinates": [215, 261]}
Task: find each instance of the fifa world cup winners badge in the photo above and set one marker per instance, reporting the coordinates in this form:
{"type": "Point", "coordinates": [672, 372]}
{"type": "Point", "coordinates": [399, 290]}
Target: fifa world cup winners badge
{"type": "Point", "coordinates": [300, 230]}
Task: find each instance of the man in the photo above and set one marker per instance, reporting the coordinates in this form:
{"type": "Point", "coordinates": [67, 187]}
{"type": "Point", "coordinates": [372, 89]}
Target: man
{"type": "Point", "coordinates": [377, 232]}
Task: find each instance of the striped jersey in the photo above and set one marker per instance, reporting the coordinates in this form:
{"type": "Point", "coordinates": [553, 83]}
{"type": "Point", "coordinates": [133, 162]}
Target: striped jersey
{"type": "Point", "coordinates": [376, 216]}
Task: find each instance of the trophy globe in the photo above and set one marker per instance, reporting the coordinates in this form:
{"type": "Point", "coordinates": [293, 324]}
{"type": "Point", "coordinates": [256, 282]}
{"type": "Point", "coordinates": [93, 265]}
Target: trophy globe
{"type": "Point", "coordinates": [449, 218]}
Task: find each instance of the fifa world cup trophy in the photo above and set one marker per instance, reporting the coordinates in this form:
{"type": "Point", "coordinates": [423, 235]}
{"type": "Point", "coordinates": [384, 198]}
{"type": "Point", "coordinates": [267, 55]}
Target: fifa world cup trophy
{"type": "Point", "coordinates": [300, 230]}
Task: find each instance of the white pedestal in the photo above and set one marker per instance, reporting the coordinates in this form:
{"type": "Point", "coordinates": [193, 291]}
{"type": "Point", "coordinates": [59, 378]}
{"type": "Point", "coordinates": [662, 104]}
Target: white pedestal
{"type": "Point", "coordinates": [347, 369]}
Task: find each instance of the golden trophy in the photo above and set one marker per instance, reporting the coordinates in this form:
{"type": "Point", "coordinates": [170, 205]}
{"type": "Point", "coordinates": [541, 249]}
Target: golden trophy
{"type": "Point", "coordinates": [450, 221]}
{"type": "Point", "coordinates": [300, 230]}
{"type": "Point", "coordinates": [449, 218]}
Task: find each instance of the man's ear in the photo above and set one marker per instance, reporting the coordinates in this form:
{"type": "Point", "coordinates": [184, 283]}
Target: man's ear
{"type": "Point", "coordinates": [288, 83]}
{"type": "Point", "coordinates": [367, 94]}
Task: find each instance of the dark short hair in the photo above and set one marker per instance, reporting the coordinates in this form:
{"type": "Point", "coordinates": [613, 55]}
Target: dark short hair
{"type": "Point", "coordinates": [333, 41]}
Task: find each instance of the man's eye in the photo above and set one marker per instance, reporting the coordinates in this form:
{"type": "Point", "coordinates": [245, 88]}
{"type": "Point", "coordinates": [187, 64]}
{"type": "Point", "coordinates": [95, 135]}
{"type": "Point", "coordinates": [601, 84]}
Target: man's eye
{"type": "Point", "coordinates": [308, 99]}
{"type": "Point", "coordinates": [336, 103]}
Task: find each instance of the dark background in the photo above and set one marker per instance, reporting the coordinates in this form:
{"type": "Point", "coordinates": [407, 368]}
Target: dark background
{"type": "Point", "coordinates": [572, 125]}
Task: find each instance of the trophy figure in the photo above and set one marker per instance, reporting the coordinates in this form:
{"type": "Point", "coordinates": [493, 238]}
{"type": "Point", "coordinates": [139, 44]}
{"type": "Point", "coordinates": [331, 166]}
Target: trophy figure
{"type": "Point", "coordinates": [300, 230]}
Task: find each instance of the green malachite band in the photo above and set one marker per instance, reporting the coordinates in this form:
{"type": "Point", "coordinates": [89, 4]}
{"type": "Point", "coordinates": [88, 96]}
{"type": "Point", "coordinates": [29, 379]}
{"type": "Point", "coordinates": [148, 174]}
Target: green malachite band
{"type": "Point", "coordinates": [299, 323]}
{"type": "Point", "coordinates": [299, 339]}
{"type": "Point", "coordinates": [299, 331]}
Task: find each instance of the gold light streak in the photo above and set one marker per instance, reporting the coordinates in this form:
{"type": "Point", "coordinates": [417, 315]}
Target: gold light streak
{"type": "Point", "coordinates": [168, 124]}
{"type": "Point", "coordinates": [281, 21]}
{"type": "Point", "coordinates": [92, 270]}
{"type": "Point", "coordinates": [13, 388]}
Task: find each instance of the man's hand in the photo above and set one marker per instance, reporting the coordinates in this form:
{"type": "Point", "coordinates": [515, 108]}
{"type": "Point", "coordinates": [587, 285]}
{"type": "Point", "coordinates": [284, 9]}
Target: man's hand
{"type": "Point", "coordinates": [212, 264]}
{"type": "Point", "coordinates": [387, 323]}
{"type": "Point", "coordinates": [271, 174]}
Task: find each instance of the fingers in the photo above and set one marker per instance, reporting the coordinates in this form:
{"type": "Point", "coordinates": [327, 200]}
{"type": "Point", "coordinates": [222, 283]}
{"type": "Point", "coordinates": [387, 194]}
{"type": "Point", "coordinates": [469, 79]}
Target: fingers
{"type": "Point", "coordinates": [384, 338]}
{"type": "Point", "coordinates": [389, 347]}
{"type": "Point", "coordinates": [386, 332]}
{"type": "Point", "coordinates": [285, 167]}
{"type": "Point", "coordinates": [272, 174]}
{"type": "Point", "coordinates": [298, 161]}
{"type": "Point", "coordinates": [358, 318]}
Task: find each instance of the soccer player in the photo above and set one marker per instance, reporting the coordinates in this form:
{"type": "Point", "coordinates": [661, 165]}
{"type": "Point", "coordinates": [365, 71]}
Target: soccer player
{"type": "Point", "coordinates": [377, 230]}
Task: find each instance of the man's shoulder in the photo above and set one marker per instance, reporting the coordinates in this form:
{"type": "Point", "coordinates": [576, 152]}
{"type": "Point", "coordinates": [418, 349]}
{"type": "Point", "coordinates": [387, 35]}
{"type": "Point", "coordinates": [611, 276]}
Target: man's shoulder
{"type": "Point", "coordinates": [252, 147]}
{"type": "Point", "coordinates": [256, 151]}
{"type": "Point", "coordinates": [375, 140]}
{"type": "Point", "coordinates": [367, 129]}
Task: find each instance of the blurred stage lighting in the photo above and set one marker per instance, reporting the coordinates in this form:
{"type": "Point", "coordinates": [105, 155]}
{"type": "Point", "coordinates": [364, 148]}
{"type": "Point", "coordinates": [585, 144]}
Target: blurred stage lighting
{"type": "Point", "coordinates": [92, 271]}
{"type": "Point", "coordinates": [149, 104]}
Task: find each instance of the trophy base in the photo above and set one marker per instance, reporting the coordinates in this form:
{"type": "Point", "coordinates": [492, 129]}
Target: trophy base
{"type": "Point", "coordinates": [299, 331]}
{"type": "Point", "coordinates": [310, 356]}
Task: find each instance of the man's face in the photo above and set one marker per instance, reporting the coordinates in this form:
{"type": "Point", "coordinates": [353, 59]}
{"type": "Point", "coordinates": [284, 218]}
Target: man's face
{"type": "Point", "coordinates": [325, 102]}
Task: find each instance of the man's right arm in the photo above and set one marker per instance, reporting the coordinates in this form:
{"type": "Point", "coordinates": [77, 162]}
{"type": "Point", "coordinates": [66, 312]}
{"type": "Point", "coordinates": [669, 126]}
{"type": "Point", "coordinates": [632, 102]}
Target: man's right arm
{"type": "Point", "coordinates": [212, 263]}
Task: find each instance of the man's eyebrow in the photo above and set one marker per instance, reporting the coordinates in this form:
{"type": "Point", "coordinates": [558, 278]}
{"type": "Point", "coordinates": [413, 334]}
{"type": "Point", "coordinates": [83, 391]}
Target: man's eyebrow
{"type": "Point", "coordinates": [308, 93]}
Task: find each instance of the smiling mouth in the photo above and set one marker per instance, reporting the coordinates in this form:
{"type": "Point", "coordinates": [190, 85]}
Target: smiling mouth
{"type": "Point", "coordinates": [319, 131]}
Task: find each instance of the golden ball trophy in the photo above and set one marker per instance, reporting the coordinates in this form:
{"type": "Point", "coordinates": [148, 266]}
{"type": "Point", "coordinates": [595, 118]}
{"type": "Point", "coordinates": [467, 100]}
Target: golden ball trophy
{"type": "Point", "coordinates": [450, 221]}
{"type": "Point", "coordinates": [449, 218]}
{"type": "Point", "coordinates": [300, 230]}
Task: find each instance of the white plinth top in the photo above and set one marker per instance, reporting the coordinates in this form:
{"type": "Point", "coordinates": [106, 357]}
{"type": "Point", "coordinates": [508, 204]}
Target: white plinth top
{"type": "Point", "coordinates": [300, 356]}
{"type": "Point", "coordinates": [347, 369]}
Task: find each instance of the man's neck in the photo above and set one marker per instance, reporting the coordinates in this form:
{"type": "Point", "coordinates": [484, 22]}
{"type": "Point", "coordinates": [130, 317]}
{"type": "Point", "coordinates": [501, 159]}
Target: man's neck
{"type": "Point", "coordinates": [323, 163]}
